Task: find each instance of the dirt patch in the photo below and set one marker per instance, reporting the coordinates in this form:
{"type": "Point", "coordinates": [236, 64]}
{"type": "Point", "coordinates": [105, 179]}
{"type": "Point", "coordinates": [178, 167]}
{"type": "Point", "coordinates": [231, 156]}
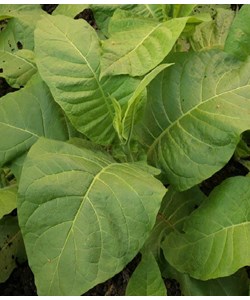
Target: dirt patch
{"type": "Point", "coordinates": [5, 88]}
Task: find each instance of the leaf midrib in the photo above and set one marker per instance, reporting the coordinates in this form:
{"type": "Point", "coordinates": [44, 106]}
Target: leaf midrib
{"type": "Point", "coordinates": [90, 68]}
{"type": "Point", "coordinates": [134, 49]}
{"type": "Point", "coordinates": [85, 198]}
{"type": "Point", "coordinates": [151, 148]}
{"type": "Point", "coordinates": [214, 233]}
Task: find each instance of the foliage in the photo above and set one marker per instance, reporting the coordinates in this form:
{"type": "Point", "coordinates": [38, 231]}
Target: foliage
{"type": "Point", "coordinates": [105, 118]}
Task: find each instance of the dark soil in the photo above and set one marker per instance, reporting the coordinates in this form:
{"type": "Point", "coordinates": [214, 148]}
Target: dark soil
{"type": "Point", "coordinates": [231, 169]}
{"type": "Point", "coordinates": [5, 88]}
{"type": "Point", "coordinates": [20, 283]}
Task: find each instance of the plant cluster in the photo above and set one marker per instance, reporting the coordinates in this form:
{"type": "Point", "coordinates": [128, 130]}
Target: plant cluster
{"type": "Point", "coordinates": [104, 146]}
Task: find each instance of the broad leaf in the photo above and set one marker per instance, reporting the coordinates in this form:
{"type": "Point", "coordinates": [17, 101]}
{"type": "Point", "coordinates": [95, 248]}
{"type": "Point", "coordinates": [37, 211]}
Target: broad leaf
{"type": "Point", "coordinates": [11, 246]}
{"type": "Point", "coordinates": [146, 279]}
{"type": "Point", "coordinates": [8, 198]}
{"type": "Point", "coordinates": [213, 34]}
{"type": "Point", "coordinates": [69, 10]}
{"type": "Point", "coordinates": [25, 116]}
{"type": "Point", "coordinates": [83, 216]}
{"type": "Point", "coordinates": [137, 45]}
{"type": "Point", "coordinates": [18, 67]}
{"type": "Point", "coordinates": [199, 105]}
{"type": "Point", "coordinates": [71, 70]}
{"type": "Point", "coordinates": [238, 40]}
{"type": "Point", "coordinates": [234, 285]}
{"type": "Point", "coordinates": [103, 13]}
{"type": "Point", "coordinates": [20, 28]}
{"type": "Point", "coordinates": [215, 242]}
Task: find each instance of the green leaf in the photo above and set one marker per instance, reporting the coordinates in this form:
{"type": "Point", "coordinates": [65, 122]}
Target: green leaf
{"type": "Point", "coordinates": [11, 246]}
{"type": "Point", "coordinates": [213, 34]}
{"type": "Point", "coordinates": [199, 105]}
{"type": "Point", "coordinates": [25, 116]}
{"type": "Point", "coordinates": [146, 279]}
{"type": "Point", "coordinates": [17, 68]}
{"type": "Point", "coordinates": [215, 241]}
{"type": "Point", "coordinates": [234, 285]}
{"type": "Point", "coordinates": [69, 10]}
{"type": "Point", "coordinates": [181, 10]}
{"type": "Point", "coordinates": [16, 166]}
{"type": "Point", "coordinates": [8, 198]}
{"type": "Point", "coordinates": [103, 13]}
{"type": "Point", "coordinates": [153, 11]}
{"type": "Point", "coordinates": [134, 103]}
{"type": "Point", "coordinates": [72, 74]}
{"type": "Point", "coordinates": [175, 209]}
{"type": "Point", "coordinates": [20, 27]}
{"type": "Point", "coordinates": [137, 45]}
{"type": "Point", "coordinates": [117, 120]}
{"type": "Point", "coordinates": [238, 40]}
{"type": "Point", "coordinates": [83, 216]}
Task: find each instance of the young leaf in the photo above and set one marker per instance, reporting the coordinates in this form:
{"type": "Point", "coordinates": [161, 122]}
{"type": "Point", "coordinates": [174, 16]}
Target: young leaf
{"type": "Point", "coordinates": [137, 45]}
{"type": "Point", "coordinates": [83, 216]}
{"type": "Point", "coordinates": [25, 116]}
{"type": "Point", "coordinates": [238, 40]}
{"type": "Point", "coordinates": [8, 198]}
{"type": "Point", "coordinates": [146, 279]}
{"type": "Point", "coordinates": [215, 242]}
{"type": "Point", "coordinates": [134, 102]}
{"type": "Point", "coordinates": [72, 73]}
{"type": "Point", "coordinates": [199, 105]}
{"type": "Point", "coordinates": [18, 67]}
{"type": "Point", "coordinates": [11, 246]}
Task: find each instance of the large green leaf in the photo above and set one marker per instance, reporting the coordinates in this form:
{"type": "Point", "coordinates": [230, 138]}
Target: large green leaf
{"type": "Point", "coordinates": [71, 69]}
{"type": "Point", "coordinates": [146, 279]}
{"type": "Point", "coordinates": [194, 116]}
{"type": "Point", "coordinates": [20, 27]}
{"type": "Point", "coordinates": [136, 44]}
{"type": "Point", "coordinates": [8, 198]}
{"type": "Point", "coordinates": [215, 240]}
{"type": "Point", "coordinates": [26, 115]}
{"type": "Point", "coordinates": [18, 67]}
{"type": "Point", "coordinates": [11, 246]}
{"type": "Point", "coordinates": [83, 216]}
{"type": "Point", "coordinates": [238, 40]}
{"type": "Point", "coordinates": [234, 285]}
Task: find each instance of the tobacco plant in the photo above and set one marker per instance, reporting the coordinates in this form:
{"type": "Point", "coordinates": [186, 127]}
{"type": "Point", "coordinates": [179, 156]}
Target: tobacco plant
{"type": "Point", "coordinates": [106, 142]}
